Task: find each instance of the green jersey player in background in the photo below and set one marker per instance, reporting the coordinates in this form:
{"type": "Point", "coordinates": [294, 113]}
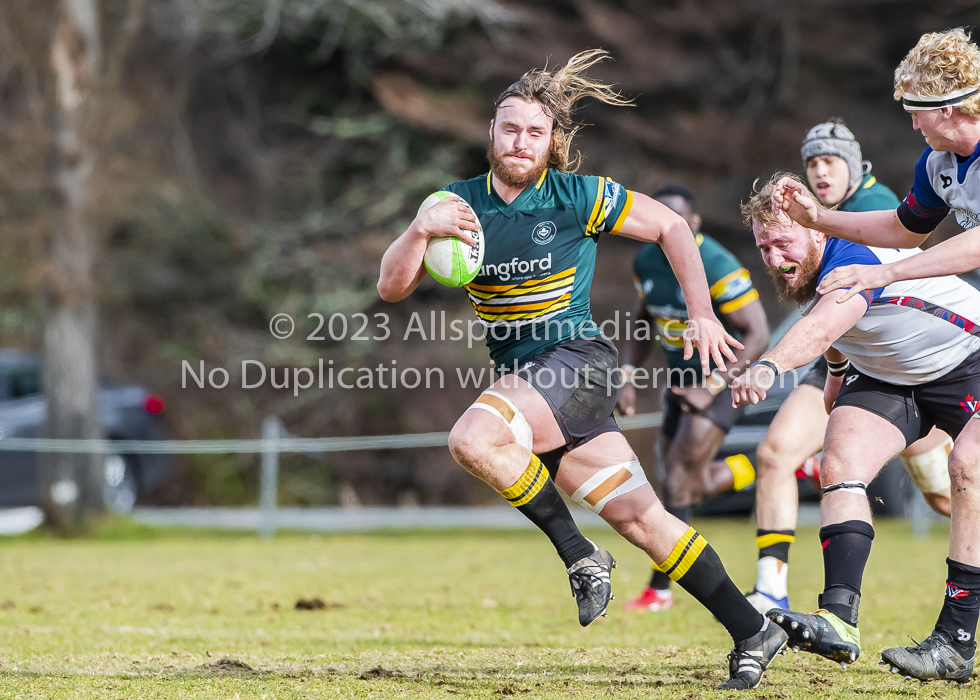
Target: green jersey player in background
{"type": "Point", "coordinates": [697, 410]}
{"type": "Point", "coordinates": [547, 423]}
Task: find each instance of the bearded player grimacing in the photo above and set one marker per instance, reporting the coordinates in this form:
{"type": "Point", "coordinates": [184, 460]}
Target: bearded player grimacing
{"type": "Point", "coordinates": [938, 83]}
{"type": "Point", "coordinates": [541, 224]}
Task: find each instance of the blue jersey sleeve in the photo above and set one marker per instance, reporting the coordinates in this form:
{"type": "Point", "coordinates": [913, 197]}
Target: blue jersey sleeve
{"type": "Point", "coordinates": [922, 209]}
{"type": "Point", "coordinates": [840, 253]}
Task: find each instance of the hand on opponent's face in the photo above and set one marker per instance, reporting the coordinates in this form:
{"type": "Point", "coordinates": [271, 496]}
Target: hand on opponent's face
{"type": "Point", "coordinates": [796, 201]}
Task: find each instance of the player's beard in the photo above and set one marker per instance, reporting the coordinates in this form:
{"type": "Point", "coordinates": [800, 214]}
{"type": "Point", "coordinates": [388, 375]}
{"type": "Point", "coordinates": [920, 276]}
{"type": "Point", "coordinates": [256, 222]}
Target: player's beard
{"type": "Point", "coordinates": [512, 177]}
{"type": "Point", "coordinates": [807, 280]}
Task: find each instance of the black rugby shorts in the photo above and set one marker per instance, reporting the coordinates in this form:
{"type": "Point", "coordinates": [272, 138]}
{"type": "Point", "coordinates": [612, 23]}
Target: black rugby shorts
{"type": "Point", "coordinates": [574, 378]}
{"type": "Point", "coordinates": [947, 403]}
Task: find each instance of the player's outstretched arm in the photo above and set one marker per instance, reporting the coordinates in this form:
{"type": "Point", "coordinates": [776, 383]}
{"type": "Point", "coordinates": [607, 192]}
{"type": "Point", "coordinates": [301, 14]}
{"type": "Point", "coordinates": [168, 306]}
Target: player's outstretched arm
{"type": "Point", "coordinates": [651, 221]}
{"type": "Point", "coordinates": [952, 257]}
{"type": "Point", "coordinates": [809, 338]}
{"type": "Point", "coordinates": [401, 267]}
{"type": "Point", "coordinates": [881, 229]}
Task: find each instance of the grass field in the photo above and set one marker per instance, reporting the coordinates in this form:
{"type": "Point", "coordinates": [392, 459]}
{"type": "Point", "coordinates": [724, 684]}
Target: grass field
{"type": "Point", "coordinates": [137, 614]}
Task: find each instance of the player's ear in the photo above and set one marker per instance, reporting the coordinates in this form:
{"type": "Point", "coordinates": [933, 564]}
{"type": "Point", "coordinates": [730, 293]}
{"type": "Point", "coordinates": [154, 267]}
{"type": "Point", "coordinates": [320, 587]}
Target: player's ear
{"type": "Point", "coordinates": [694, 221]}
{"type": "Point", "coordinates": [491, 129]}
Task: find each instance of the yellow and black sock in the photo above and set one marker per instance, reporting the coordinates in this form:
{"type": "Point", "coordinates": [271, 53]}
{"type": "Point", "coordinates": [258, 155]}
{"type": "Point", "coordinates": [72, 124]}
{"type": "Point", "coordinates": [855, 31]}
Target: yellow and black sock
{"type": "Point", "coordinates": [537, 497]}
{"type": "Point", "coordinates": [698, 570]}
{"type": "Point", "coordinates": [743, 472]}
{"type": "Point", "coordinates": [659, 579]}
{"type": "Point", "coordinates": [775, 543]}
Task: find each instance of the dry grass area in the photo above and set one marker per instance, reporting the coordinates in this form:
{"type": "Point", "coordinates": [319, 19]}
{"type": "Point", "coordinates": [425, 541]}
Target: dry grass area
{"type": "Point", "coordinates": [137, 614]}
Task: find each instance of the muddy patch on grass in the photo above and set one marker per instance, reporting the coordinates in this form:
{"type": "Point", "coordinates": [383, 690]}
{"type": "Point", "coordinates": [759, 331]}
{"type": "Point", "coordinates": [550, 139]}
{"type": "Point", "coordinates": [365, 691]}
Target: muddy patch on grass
{"type": "Point", "coordinates": [317, 604]}
{"type": "Point", "coordinates": [378, 673]}
{"type": "Point", "coordinates": [226, 666]}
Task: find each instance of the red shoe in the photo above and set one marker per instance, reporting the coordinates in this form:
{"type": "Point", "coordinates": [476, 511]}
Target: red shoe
{"type": "Point", "coordinates": [810, 469]}
{"type": "Point", "coordinates": [652, 599]}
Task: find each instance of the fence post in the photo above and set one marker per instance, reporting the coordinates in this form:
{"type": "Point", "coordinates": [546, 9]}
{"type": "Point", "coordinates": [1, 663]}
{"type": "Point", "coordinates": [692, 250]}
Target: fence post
{"type": "Point", "coordinates": [268, 498]}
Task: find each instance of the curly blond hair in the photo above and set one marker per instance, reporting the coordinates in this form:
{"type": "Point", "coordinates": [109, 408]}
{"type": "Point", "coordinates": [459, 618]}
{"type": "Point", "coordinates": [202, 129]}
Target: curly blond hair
{"type": "Point", "coordinates": [760, 208]}
{"type": "Point", "coordinates": [558, 91]}
{"type": "Point", "coordinates": [940, 63]}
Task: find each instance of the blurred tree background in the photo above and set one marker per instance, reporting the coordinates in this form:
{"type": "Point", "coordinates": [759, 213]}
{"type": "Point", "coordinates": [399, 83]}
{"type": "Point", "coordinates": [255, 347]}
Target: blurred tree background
{"type": "Point", "coordinates": [253, 157]}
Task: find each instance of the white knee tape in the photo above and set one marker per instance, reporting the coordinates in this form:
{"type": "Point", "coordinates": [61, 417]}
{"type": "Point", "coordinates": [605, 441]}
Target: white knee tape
{"type": "Point", "coordinates": [606, 484]}
{"type": "Point", "coordinates": [930, 471]}
{"type": "Point", "coordinates": [505, 409]}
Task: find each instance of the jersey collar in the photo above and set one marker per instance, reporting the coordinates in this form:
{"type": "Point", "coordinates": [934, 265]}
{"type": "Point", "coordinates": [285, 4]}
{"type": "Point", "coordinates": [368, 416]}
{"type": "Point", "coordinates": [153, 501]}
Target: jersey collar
{"type": "Point", "coordinates": [520, 200]}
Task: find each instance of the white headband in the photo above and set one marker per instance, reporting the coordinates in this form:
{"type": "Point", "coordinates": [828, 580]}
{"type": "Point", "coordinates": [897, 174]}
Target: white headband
{"type": "Point", "coordinates": [954, 98]}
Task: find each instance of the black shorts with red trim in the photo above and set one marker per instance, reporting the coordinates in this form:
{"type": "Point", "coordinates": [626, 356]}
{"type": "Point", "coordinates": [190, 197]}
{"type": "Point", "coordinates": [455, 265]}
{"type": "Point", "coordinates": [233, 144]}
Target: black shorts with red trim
{"type": "Point", "coordinates": [947, 403]}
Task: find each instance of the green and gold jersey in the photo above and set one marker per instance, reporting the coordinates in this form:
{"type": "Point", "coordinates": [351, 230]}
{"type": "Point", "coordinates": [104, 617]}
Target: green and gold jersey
{"type": "Point", "coordinates": [533, 289]}
{"type": "Point", "coordinates": [729, 283]}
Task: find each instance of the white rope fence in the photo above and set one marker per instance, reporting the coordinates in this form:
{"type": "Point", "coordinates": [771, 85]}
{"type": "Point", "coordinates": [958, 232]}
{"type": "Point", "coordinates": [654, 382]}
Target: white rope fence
{"type": "Point", "coordinates": [278, 444]}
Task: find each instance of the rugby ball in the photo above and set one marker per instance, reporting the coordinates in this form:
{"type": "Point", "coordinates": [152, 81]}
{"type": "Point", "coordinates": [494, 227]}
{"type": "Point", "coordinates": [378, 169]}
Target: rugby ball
{"type": "Point", "coordinates": [450, 261]}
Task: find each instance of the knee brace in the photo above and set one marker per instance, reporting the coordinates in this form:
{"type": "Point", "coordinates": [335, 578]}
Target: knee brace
{"type": "Point", "coordinates": [606, 484]}
{"type": "Point", "coordinates": [858, 487]}
{"type": "Point", "coordinates": [930, 471]}
{"type": "Point", "coordinates": [505, 409]}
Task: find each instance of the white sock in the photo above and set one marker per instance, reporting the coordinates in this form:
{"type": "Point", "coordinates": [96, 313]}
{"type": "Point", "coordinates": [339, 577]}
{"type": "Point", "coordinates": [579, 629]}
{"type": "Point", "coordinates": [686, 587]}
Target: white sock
{"type": "Point", "coordinates": [771, 577]}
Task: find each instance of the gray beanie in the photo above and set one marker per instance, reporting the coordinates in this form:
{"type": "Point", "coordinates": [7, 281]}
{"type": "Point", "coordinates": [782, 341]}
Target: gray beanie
{"type": "Point", "coordinates": [834, 139]}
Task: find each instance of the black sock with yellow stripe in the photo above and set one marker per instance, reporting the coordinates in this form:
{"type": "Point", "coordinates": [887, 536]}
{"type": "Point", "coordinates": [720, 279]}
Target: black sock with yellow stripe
{"type": "Point", "coordinates": [698, 570]}
{"type": "Point", "coordinates": [537, 497]}
{"type": "Point", "coordinates": [659, 579]}
{"type": "Point", "coordinates": [774, 543]}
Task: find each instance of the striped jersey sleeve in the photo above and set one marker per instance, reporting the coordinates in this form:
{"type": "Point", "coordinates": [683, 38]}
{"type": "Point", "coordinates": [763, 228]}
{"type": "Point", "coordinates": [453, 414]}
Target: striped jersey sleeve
{"type": "Point", "coordinates": [610, 204]}
{"type": "Point", "coordinates": [729, 283]}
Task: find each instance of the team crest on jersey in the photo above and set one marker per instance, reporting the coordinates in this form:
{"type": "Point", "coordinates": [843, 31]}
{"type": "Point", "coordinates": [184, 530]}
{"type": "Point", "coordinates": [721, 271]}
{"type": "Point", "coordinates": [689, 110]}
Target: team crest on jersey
{"type": "Point", "coordinates": [970, 404]}
{"type": "Point", "coordinates": [544, 233]}
{"type": "Point", "coordinates": [954, 592]}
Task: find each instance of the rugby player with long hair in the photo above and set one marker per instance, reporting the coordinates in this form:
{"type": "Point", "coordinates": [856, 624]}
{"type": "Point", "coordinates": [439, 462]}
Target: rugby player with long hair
{"type": "Point", "coordinates": [547, 423]}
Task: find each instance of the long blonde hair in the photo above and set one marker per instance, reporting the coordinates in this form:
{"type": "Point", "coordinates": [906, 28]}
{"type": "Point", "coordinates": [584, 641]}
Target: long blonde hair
{"type": "Point", "coordinates": [558, 92]}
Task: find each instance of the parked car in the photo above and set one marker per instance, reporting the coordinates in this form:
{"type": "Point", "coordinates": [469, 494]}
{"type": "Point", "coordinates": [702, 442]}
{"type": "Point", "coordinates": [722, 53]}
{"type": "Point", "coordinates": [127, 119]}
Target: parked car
{"type": "Point", "coordinates": [126, 412]}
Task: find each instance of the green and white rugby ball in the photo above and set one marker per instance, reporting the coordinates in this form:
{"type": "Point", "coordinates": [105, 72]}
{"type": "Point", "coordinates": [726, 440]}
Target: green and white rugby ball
{"type": "Point", "coordinates": [449, 260]}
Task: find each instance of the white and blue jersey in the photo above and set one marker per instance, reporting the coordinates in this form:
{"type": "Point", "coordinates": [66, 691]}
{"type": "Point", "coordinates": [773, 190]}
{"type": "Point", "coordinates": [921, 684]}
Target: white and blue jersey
{"type": "Point", "coordinates": [914, 331]}
{"type": "Point", "coordinates": [944, 182]}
